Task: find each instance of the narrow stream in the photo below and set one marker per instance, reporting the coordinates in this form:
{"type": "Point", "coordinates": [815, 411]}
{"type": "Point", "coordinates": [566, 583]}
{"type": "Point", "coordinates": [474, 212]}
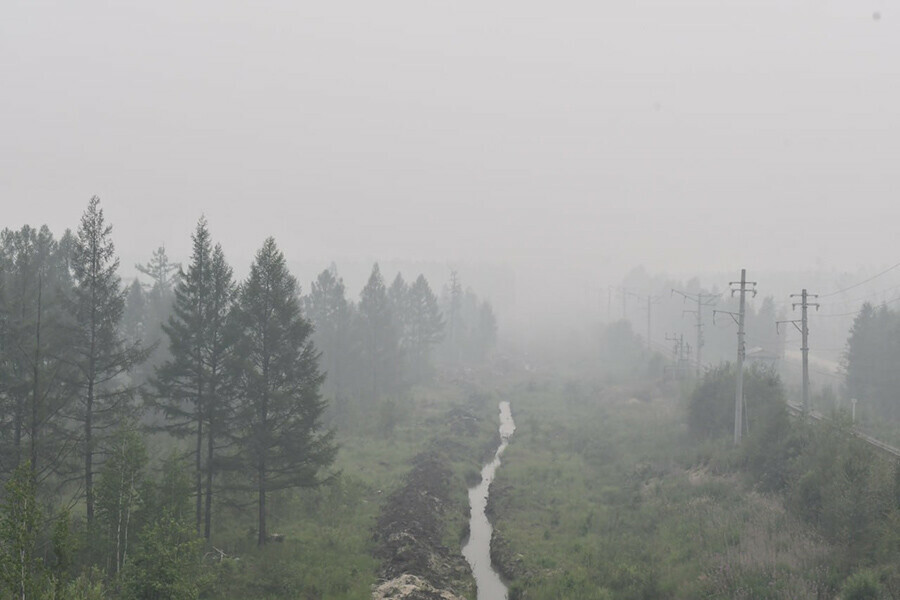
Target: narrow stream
{"type": "Point", "coordinates": [478, 547]}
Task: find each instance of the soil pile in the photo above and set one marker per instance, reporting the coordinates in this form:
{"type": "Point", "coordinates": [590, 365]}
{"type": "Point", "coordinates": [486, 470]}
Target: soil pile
{"type": "Point", "coordinates": [415, 564]}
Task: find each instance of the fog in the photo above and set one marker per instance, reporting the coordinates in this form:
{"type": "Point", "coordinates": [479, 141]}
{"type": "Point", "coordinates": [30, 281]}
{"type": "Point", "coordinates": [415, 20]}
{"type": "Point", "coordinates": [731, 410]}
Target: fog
{"type": "Point", "coordinates": [558, 143]}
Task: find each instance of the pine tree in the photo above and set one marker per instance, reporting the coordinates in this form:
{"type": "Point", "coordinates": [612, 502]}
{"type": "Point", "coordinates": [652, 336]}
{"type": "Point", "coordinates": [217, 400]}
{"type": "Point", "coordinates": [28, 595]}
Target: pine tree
{"type": "Point", "coordinates": [425, 325]}
{"type": "Point", "coordinates": [378, 336]}
{"type": "Point", "coordinates": [453, 300]}
{"type": "Point", "coordinates": [277, 382]}
{"type": "Point", "coordinates": [180, 383]}
{"type": "Point", "coordinates": [330, 313]}
{"type": "Point", "coordinates": [164, 274]}
{"type": "Point", "coordinates": [398, 298]}
{"type": "Point", "coordinates": [33, 345]}
{"type": "Point", "coordinates": [220, 341]}
{"type": "Point", "coordinates": [100, 355]}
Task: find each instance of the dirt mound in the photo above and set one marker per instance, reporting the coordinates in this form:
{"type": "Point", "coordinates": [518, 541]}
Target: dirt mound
{"type": "Point", "coordinates": [408, 535]}
{"type": "Point", "coordinates": [410, 587]}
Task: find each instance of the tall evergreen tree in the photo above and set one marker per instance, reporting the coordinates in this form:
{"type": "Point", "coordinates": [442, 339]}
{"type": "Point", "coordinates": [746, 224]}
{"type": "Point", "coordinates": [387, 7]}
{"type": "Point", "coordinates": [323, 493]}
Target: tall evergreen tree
{"type": "Point", "coordinates": [378, 336]}
{"type": "Point", "coordinates": [180, 382]}
{"type": "Point", "coordinates": [277, 378]}
{"type": "Point", "coordinates": [100, 355]}
{"type": "Point", "coordinates": [425, 326]}
{"type": "Point", "coordinates": [453, 301]}
{"type": "Point", "coordinates": [219, 344]}
{"type": "Point", "coordinates": [398, 298]}
{"type": "Point", "coordinates": [330, 313]}
{"type": "Point", "coordinates": [34, 344]}
{"type": "Point", "coordinates": [189, 386]}
{"type": "Point", "coordinates": [163, 273]}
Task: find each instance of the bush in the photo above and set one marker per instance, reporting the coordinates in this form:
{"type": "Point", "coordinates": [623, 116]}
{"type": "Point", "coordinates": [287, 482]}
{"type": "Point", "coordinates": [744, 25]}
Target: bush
{"type": "Point", "coordinates": [862, 585]}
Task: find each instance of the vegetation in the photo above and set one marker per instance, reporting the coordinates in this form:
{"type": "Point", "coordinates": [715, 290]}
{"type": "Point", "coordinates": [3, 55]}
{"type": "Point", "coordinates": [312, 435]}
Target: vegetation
{"type": "Point", "coordinates": [109, 497]}
{"type": "Point", "coordinates": [632, 492]}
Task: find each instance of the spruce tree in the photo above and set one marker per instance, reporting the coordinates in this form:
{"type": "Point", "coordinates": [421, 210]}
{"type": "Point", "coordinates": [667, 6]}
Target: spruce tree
{"type": "Point", "coordinates": [379, 341]}
{"type": "Point", "coordinates": [330, 313]}
{"type": "Point", "coordinates": [277, 381]}
{"type": "Point", "coordinates": [33, 347]}
{"type": "Point", "coordinates": [219, 344]}
{"type": "Point", "coordinates": [180, 383]}
{"type": "Point", "coordinates": [425, 326]}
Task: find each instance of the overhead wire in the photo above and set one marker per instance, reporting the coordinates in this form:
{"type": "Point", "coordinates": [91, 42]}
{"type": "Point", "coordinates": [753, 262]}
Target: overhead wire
{"type": "Point", "coordinates": [856, 285]}
{"type": "Point", "coordinates": [859, 310]}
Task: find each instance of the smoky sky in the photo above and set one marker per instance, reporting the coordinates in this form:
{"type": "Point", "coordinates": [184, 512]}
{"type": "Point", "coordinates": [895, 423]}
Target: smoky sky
{"type": "Point", "coordinates": [566, 136]}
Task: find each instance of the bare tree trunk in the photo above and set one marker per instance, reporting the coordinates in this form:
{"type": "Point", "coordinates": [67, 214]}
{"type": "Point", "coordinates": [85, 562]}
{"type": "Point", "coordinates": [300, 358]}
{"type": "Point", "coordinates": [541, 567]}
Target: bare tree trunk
{"type": "Point", "coordinates": [261, 472]}
{"type": "Point", "coordinates": [207, 527]}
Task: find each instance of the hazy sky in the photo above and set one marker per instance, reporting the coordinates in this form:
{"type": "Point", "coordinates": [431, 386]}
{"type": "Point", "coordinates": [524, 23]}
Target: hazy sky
{"type": "Point", "coordinates": [682, 135]}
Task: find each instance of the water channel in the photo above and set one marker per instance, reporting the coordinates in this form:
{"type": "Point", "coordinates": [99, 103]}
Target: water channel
{"type": "Point", "coordinates": [477, 549]}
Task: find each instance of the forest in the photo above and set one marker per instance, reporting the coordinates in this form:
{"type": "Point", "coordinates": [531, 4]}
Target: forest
{"type": "Point", "coordinates": [196, 435]}
{"type": "Point", "coordinates": [137, 417]}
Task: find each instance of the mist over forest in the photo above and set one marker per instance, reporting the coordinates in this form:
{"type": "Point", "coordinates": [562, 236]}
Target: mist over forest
{"type": "Point", "coordinates": [474, 300]}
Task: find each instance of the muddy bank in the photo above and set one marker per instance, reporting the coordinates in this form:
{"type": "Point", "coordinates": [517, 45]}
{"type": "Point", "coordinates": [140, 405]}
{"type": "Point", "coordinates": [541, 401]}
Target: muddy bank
{"type": "Point", "coordinates": [477, 549]}
{"type": "Point", "coordinates": [509, 564]}
{"type": "Point", "coordinates": [409, 534]}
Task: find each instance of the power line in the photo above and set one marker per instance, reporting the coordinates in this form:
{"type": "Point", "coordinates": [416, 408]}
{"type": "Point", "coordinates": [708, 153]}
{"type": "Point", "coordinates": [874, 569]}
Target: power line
{"type": "Point", "coordinates": [702, 300]}
{"type": "Point", "coordinates": [856, 312]}
{"type": "Point", "coordinates": [856, 285]}
{"type": "Point", "coordinates": [867, 297]}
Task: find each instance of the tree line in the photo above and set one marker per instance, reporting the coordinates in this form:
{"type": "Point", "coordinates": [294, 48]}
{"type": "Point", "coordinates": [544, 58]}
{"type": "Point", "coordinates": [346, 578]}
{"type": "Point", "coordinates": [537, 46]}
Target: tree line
{"type": "Point", "coordinates": [253, 375]}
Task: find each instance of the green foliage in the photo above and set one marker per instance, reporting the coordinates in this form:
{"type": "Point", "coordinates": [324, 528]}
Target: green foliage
{"type": "Point", "coordinates": [22, 570]}
{"type": "Point", "coordinates": [167, 564]}
{"type": "Point", "coordinates": [862, 585]}
{"type": "Point", "coordinates": [99, 351]}
{"type": "Point", "coordinates": [118, 493]}
{"type": "Point", "coordinates": [87, 586]}
{"type": "Point", "coordinates": [710, 411]}
{"type": "Point", "coordinates": [277, 376]}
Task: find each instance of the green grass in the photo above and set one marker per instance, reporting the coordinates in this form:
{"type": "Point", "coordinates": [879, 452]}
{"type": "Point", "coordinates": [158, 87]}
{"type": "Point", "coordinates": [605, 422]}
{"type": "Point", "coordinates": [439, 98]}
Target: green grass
{"type": "Point", "coordinates": [597, 498]}
{"type": "Point", "coordinates": [328, 532]}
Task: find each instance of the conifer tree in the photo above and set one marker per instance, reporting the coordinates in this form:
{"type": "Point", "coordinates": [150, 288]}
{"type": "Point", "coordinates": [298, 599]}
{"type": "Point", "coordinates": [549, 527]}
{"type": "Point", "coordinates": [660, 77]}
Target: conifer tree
{"type": "Point", "coordinates": [32, 367]}
{"type": "Point", "coordinates": [219, 344]}
{"type": "Point", "coordinates": [330, 313]}
{"type": "Point", "coordinates": [277, 383]}
{"type": "Point", "coordinates": [425, 325]}
{"type": "Point", "coordinates": [378, 335]}
{"type": "Point", "coordinates": [180, 383]}
{"type": "Point", "coordinates": [101, 357]}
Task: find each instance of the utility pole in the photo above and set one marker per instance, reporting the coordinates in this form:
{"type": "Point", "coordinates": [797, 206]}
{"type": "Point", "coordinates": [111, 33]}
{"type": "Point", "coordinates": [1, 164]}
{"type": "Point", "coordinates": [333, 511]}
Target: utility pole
{"type": "Point", "coordinates": [742, 289]}
{"type": "Point", "coordinates": [702, 300]}
{"type": "Point", "coordinates": [650, 302]}
{"type": "Point", "coordinates": [803, 327]}
{"type": "Point", "coordinates": [679, 351]}
{"type": "Point", "coordinates": [609, 305]}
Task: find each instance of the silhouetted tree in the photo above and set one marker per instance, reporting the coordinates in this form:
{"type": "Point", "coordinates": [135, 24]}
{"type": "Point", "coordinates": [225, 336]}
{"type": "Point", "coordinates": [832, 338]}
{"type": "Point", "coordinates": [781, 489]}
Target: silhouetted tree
{"type": "Point", "coordinates": [277, 383]}
{"type": "Point", "coordinates": [378, 336]}
{"type": "Point", "coordinates": [330, 314]}
{"type": "Point", "coordinates": [425, 326]}
{"type": "Point", "coordinates": [101, 357]}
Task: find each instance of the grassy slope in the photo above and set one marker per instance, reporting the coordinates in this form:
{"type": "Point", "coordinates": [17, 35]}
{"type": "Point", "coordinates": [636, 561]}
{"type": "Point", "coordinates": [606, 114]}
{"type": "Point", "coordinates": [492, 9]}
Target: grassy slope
{"type": "Point", "coordinates": [595, 500]}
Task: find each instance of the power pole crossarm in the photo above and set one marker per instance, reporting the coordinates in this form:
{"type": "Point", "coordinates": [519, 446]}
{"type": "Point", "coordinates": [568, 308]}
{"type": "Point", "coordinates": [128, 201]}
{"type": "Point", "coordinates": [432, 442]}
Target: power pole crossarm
{"type": "Point", "coordinates": [702, 300]}
{"type": "Point", "coordinates": [804, 305]}
{"type": "Point", "coordinates": [743, 287]}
